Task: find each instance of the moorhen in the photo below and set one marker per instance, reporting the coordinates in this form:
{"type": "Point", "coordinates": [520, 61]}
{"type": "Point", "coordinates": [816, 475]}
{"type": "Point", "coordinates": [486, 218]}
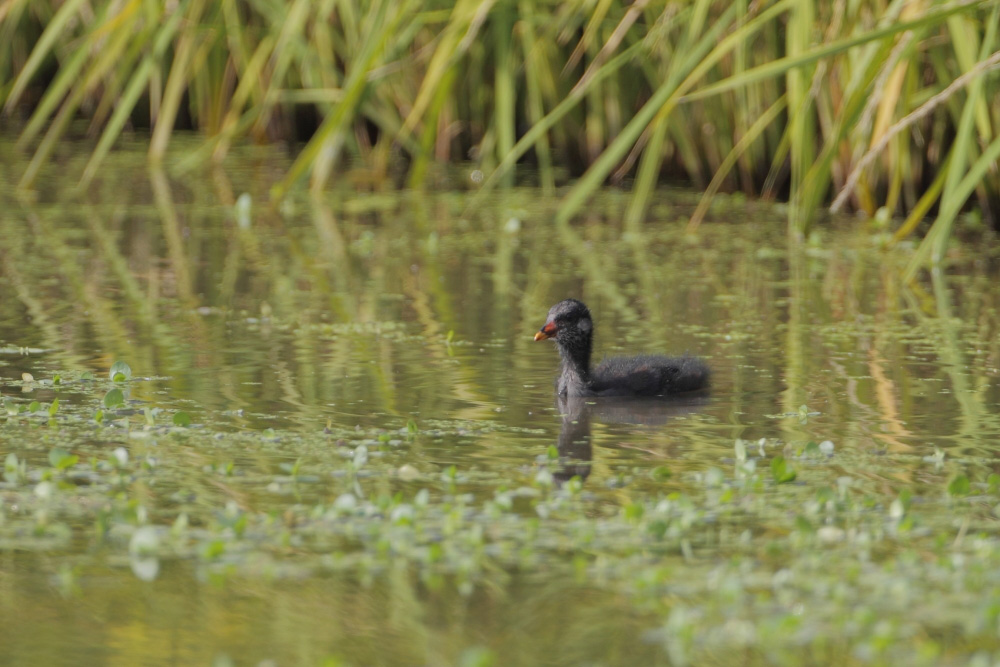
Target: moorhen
{"type": "Point", "coordinates": [570, 325]}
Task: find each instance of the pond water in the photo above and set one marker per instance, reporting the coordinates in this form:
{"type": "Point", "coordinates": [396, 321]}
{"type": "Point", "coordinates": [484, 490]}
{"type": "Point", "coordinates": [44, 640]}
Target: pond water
{"type": "Point", "coordinates": [339, 443]}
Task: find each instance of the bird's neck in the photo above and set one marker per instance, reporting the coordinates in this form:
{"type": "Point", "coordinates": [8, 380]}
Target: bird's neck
{"type": "Point", "coordinates": [575, 365]}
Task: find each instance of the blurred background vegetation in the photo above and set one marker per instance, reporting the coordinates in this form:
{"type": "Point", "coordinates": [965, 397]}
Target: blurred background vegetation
{"type": "Point", "coordinates": [854, 104]}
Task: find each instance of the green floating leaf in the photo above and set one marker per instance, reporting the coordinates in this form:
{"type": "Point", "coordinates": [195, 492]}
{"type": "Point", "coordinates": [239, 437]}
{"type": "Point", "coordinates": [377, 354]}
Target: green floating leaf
{"type": "Point", "coordinates": [10, 468]}
{"type": "Point", "coordinates": [658, 528]}
{"type": "Point", "coordinates": [994, 481]}
{"type": "Point", "coordinates": [661, 473]}
{"type": "Point", "coordinates": [114, 398]}
{"type": "Point", "coordinates": [411, 427]}
{"type": "Point", "coordinates": [825, 494]}
{"type": "Point", "coordinates": [213, 549]}
{"type": "Point", "coordinates": [120, 372]}
{"type": "Point", "coordinates": [54, 408]}
{"type": "Point", "coordinates": [634, 511]}
{"type": "Point", "coordinates": [61, 459]}
{"type": "Point", "coordinates": [477, 656]}
{"type": "Point", "coordinates": [182, 419]}
{"type": "Point", "coordinates": [34, 406]}
{"type": "Point", "coordinates": [553, 452]}
{"type": "Point", "coordinates": [180, 525]}
{"type": "Point", "coordinates": [782, 472]}
{"type": "Point", "coordinates": [959, 486]}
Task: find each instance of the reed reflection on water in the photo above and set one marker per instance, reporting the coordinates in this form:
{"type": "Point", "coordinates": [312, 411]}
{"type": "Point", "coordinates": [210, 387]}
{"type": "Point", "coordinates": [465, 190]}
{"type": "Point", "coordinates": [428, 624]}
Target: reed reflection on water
{"type": "Point", "coordinates": [379, 308]}
{"type": "Point", "coordinates": [355, 315]}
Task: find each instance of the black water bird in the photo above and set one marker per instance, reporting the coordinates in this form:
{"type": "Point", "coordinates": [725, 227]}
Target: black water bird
{"type": "Point", "coordinates": [569, 324]}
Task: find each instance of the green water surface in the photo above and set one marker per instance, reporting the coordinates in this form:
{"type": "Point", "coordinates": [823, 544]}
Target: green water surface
{"type": "Point", "coordinates": [339, 443]}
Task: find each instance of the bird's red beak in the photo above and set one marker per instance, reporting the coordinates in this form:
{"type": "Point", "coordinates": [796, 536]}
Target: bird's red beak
{"type": "Point", "coordinates": [548, 331]}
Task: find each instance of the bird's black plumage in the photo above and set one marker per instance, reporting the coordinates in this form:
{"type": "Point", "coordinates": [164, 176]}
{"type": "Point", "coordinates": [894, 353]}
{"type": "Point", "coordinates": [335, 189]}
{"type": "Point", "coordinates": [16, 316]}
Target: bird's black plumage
{"type": "Point", "coordinates": [570, 325]}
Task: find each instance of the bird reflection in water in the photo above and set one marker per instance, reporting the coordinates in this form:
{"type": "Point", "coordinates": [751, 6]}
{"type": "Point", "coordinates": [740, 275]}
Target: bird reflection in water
{"type": "Point", "coordinates": [575, 441]}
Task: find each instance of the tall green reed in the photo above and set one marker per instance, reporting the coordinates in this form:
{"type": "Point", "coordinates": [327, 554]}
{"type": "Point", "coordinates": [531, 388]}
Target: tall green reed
{"type": "Point", "coordinates": [868, 104]}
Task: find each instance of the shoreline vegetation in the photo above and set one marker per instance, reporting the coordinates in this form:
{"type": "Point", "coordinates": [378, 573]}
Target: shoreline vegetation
{"type": "Point", "coordinates": [888, 107]}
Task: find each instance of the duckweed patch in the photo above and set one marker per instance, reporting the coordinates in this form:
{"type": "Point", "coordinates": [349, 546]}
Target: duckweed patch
{"type": "Point", "coordinates": [779, 551]}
